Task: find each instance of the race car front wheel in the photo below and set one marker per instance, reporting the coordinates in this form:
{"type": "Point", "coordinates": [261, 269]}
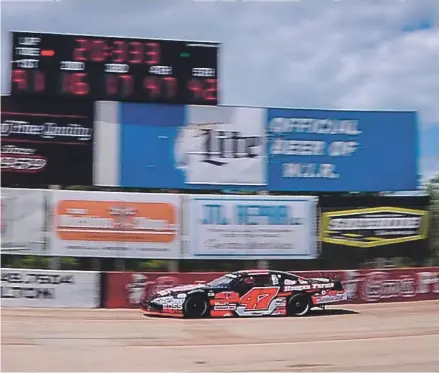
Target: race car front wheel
{"type": "Point", "coordinates": [196, 306]}
{"type": "Point", "coordinates": [299, 305]}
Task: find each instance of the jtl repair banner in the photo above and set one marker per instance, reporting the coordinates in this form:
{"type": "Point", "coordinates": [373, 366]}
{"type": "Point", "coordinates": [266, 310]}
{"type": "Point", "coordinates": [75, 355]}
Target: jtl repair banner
{"type": "Point", "coordinates": [243, 227]}
{"type": "Point", "coordinates": [115, 225]}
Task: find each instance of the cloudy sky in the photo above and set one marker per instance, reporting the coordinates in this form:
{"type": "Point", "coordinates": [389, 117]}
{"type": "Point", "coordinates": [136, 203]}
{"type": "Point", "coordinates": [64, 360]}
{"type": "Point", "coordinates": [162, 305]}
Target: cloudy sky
{"type": "Point", "coordinates": [346, 54]}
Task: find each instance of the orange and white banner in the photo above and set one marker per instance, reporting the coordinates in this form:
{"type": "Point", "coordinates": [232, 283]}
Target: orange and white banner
{"type": "Point", "coordinates": [116, 225]}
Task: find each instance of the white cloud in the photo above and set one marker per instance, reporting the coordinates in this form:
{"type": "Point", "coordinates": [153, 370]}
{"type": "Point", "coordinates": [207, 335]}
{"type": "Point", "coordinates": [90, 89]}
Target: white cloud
{"type": "Point", "coordinates": [347, 54]}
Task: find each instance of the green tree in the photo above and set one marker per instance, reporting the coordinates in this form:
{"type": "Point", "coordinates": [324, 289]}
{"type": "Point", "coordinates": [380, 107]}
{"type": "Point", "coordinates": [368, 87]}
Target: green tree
{"type": "Point", "coordinates": [433, 191]}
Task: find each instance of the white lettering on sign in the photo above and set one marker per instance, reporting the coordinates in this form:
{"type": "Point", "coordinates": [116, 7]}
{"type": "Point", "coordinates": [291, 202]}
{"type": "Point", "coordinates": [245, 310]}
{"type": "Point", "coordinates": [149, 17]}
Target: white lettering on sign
{"type": "Point", "coordinates": [29, 40]}
{"type": "Point", "coordinates": [374, 223]}
{"type": "Point", "coordinates": [46, 130]}
{"type": "Point", "coordinates": [309, 170]}
{"type": "Point", "coordinates": [281, 146]}
{"type": "Point", "coordinates": [72, 66]}
{"type": "Point", "coordinates": [295, 147]}
{"type": "Point", "coordinates": [25, 51]}
{"type": "Point", "coordinates": [28, 64]}
{"type": "Point", "coordinates": [203, 72]}
{"type": "Point", "coordinates": [160, 70]}
{"type": "Point", "coordinates": [316, 126]}
{"type": "Point", "coordinates": [378, 285]}
{"type": "Point", "coordinates": [117, 68]}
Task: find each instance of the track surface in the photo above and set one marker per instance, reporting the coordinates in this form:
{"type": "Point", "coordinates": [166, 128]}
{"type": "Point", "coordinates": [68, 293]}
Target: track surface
{"type": "Point", "coordinates": [381, 337]}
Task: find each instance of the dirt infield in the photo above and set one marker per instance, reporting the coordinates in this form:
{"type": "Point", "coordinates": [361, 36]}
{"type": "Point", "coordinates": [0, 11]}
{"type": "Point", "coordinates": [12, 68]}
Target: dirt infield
{"type": "Point", "coordinates": [379, 337]}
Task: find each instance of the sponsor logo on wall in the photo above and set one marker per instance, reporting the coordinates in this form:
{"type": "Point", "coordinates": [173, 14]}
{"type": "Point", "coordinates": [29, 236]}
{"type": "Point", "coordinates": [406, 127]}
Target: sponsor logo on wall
{"type": "Point", "coordinates": [252, 227]}
{"type": "Point", "coordinates": [97, 224]}
{"type": "Point", "coordinates": [46, 142]}
{"type": "Point", "coordinates": [370, 227]}
{"type": "Point", "coordinates": [222, 145]}
{"type": "Point", "coordinates": [46, 288]}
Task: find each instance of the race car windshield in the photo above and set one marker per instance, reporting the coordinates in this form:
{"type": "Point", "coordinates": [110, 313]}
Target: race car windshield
{"type": "Point", "coordinates": [222, 281]}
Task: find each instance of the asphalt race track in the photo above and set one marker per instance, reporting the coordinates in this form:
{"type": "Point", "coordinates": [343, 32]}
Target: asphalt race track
{"type": "Point", "coordinates": [379, 337]}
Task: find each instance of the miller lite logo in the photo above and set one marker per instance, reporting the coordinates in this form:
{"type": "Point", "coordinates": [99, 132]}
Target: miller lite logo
{"type": "Point", "coordinates": [228, 150]}
{"type": "Point", "coordinates": [217, 147]}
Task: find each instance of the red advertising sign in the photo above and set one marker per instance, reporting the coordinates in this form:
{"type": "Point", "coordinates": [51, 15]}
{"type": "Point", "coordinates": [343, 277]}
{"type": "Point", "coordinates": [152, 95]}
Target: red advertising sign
{"type": "Point", "coordinates": [125, 289]}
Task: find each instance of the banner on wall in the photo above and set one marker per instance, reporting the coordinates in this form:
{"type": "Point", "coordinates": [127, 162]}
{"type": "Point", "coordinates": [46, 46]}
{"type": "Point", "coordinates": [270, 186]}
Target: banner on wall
{"type": "Point", "coordinates": [330, 150]}
{"type": "Point", "coordinates": [47, 288]}
{"type": "Point", "coordinates": [192, 147]}
{"type": "Point", "coordinates": [115, 225]}
{"type": "Point", "coordinates": [126, 289]}
{"type": "Point", "coordinates": [375, 226]}
{"type": "Point", "coordinates": [46, 141]}
{"type": "Point", "coordinates": [23, 221]}
{"type": "Point", "coordinates": [247, 227]}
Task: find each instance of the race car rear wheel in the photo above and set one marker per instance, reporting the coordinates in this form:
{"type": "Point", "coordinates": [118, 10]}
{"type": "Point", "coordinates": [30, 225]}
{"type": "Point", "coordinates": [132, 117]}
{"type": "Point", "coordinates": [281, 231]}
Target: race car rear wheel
{"type": "Point", "coordinates": [196, 306]}
{"type": "Point", "coordinates": [299, 305]}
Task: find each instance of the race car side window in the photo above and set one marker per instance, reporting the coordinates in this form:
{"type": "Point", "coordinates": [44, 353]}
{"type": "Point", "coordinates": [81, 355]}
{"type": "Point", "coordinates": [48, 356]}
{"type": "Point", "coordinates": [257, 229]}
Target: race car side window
{"type": "Point", "coordinates": [289, 280]}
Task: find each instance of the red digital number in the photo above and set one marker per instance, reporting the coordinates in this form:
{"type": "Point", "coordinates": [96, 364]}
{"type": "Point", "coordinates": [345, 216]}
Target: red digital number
{"type": "Point", "coordinates": [210, 93]}
{"type": "Point", "coordinates": [171, 86]}
{"type": "Point", "coordinates": [157, 86]}
{"type": "Point", "coordinates": [204, 90]}
{"type": "Point", "coordinates": [259, 298]}
{"type": "Point", "coordinates": [135, 50]}
{"type": "Point", "coordinates": [24, 80]}
{"type": "Point", "coordinates": [113, 82]}
{"type": "Point", "coordinates": [152, 53]}
{"type": "Point", "coordinates": [98, 50]}
{"type": "Point", "coordinates": [120, 51]}
{"type": "Point", "coordinates": [75, 83]}
{"type": "Point", "coordinates": [152, 85]}
{"type": "Point", "coordinates": [80, 50]}
{"type": "Point", "coordinates": [19, 78]}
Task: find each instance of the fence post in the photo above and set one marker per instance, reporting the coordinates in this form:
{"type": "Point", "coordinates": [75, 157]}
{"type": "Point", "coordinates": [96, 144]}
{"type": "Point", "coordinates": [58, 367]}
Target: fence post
{"type": "Point", "coordinates": [173, 265]}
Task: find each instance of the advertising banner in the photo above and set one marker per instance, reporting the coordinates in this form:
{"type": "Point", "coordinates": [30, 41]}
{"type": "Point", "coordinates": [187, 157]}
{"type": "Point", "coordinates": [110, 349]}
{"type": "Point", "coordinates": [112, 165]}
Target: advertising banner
{"type": "Point", "coordinates": [192, 147]}
{"type": "Point", "coordinates": [115, 225]}
{"type": "Point", "coordinates": [247, 227]}
{"type": "Point", "coordinates": [375, 226]}
{"type": "Point", "coordinates": [23, 221]}
{"type": "Point", "coordinates": [330, 150]}
{"type": "Point", "coordinates": [46, 141]}
{"type": "Point", "coordinates": [387, 285]}
{"type": "Point", "coordinates": [47, 288]}
{"type": "Point", "coordinates": [126, 289]}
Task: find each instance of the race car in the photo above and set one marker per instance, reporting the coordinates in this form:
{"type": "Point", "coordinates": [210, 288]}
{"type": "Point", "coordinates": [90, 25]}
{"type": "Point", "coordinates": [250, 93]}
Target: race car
{"type": "Point", "coordinates": [246, 293]}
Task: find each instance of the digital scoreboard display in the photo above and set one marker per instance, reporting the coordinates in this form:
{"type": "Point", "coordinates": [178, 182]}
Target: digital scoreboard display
{"type": "Point", "coordinates": [114, 68]}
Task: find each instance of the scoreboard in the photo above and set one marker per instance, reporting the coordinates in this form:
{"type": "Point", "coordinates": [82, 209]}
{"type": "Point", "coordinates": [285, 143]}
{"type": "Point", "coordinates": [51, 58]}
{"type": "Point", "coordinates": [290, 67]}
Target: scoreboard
{"type": "Point", "coordinates": [101, 68]}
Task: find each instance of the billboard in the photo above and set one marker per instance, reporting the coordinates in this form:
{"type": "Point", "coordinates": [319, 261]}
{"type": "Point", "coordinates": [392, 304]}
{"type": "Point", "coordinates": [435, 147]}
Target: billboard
{"type": "Point", "coordinates": [355, 227]}
{"type": "Point", "coordinates": [279, 150]}
{"type": "Point", "coordinates": [247, 227]}
{"type": "Point", "coordinates": [192, 147]}
{"type": "Point", "coordinates": [24, 221]}
{"type": "Point", "coordinates": [49, 288]}
{"type": "Point", "coordinates": [330, 150]}
{"type": "Point", "coordinates": [115, 225]}
{"type": "Point", "coordinates": [46, 141]}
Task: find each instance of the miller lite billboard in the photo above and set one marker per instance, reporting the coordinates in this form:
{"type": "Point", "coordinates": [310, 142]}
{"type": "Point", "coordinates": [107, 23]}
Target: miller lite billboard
{"type": "Point", "coordinates": [249, 148]}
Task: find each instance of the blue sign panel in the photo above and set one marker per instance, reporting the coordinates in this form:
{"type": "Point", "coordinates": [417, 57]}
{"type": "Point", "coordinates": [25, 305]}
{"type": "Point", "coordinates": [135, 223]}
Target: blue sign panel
{"type": "Point", "coordinates": [328, 150]}
{"type": "Point", "coordinates": [148, 132]}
